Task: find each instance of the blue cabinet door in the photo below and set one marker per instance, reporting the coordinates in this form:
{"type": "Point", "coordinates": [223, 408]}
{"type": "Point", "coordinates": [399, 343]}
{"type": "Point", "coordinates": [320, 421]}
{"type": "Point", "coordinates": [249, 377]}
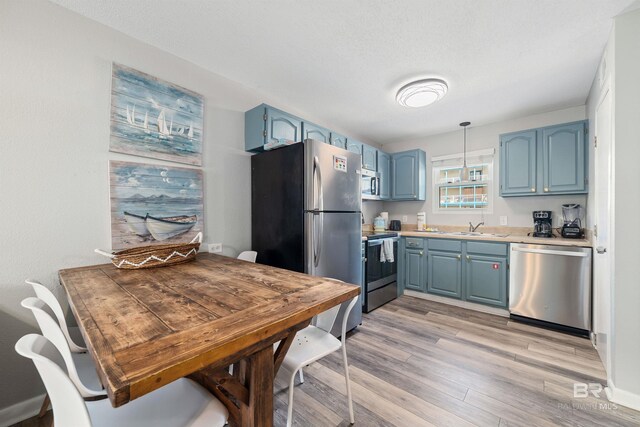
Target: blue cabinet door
{"type": "Point", "coordinates": [518, 163]}
{"type": "Point", "coordinates": [282, 127]}
{"type": "Point", "coordinates": [444, 275]}
{"type": "Point", "coordinates": [384, 168]}
{"type": "Point", "coordinates": [408, 171]}
{"type": "Point", "coordinates": [316, 132]}
{"type": "Point", "coordinates": [564, 159]}
{"type": "Point", "coordinates": [414, 270]}
{"type": "Point", "coordinates": [354, 146]}
{"type": "Point", "coordinates": [486, 280]}
{"type": "Point", "coordinates": [369, 157]}
{"type": "Point", "coordinates": [338, 140]}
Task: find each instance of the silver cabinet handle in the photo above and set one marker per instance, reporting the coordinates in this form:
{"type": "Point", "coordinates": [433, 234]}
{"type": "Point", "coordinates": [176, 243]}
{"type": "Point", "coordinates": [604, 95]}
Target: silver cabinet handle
{"type": "Point", "coordinates": [459, 257]}
{"type": "Point", "coordinates": [468, 258]}
{"type": "Point", "coordinates": [601, 249]}
{"type": "Point", "coordinates": [533, 189]}
{"type": "Point", "coordinates": [421, 253]}
{"type": "Point", "coordinates": [546, 190]}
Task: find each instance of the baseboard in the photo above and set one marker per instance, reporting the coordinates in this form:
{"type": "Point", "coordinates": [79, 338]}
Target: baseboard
{"type": "Point", "coordinates": [458, 303]}
{"type": "Point", "coordinates": [623, 397]}
{"type": "Point", "coordinates": [20, 411]}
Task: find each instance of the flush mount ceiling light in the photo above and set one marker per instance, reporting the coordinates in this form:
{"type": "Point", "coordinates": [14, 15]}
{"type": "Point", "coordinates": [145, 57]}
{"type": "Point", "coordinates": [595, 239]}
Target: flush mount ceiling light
{"type": "Point", "coordinates": [422, 93]}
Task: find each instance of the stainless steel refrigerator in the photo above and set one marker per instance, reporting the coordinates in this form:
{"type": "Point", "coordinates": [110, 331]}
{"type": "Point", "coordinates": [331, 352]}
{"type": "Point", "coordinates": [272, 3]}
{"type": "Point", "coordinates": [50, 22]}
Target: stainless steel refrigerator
{"type": "Point", "coordinates": [306, 213]}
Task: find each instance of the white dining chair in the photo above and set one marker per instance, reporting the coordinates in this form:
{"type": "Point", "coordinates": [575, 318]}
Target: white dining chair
{"type": "Point", "coordinates": [79, 366]}
{"type": "Point", "coordinates": [47, 296]}
{"type": "Point", "coordinates": [248, 256]}
{"type": "Point", "coordinates": [180, 403]}
{"type": "Point", "coordinates": [313, 343]}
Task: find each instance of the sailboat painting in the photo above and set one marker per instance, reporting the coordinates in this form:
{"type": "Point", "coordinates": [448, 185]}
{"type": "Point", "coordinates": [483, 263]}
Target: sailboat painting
{"type": "Point", "coordinates": [154, 204]}
{"type": "Point", "coordinates": [153, 118]}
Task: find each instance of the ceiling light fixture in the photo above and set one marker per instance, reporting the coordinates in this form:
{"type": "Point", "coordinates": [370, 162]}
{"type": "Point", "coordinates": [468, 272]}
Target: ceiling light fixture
{"type": "Point", "coordinates": [465, 168]}
{"type": "Point", "coordinates": [422, 93]}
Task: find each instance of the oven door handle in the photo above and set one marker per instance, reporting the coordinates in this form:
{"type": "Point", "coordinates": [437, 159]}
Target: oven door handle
{"type": "Point", "coordinates": [378, 242]}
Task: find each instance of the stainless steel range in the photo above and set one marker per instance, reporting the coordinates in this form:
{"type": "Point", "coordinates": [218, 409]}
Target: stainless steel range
{"type": "Point", "coordinates": [381, 281]}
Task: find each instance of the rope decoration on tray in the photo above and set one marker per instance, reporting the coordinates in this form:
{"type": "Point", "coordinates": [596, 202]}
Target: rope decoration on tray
{"type": "Point", "coordinates": [155, 258]}
{"type": "Point", "coordinates": [154, 255]}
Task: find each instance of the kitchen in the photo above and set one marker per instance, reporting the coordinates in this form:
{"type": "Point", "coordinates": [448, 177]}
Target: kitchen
{"type": "Point", "coordinates": [61, 73]}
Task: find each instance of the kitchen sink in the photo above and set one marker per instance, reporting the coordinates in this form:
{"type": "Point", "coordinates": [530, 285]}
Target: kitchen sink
{"type": "Point", "coordinates": [476, 233]}
{"type": "Point", "coordinates": [464, 233]}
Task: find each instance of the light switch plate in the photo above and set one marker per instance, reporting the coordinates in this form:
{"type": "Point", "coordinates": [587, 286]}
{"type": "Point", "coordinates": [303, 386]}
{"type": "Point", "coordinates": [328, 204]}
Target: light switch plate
{"type": "Point", "coordinates": [404, 219]}
{"type": "Point", "coordinates": [503, 220]}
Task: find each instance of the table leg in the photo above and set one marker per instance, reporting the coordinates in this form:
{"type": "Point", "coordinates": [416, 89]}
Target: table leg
{"type": "Point", "coordinates": [259, 381]}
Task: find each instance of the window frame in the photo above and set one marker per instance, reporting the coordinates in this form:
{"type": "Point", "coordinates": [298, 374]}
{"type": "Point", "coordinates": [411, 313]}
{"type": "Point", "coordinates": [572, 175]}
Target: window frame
{"type": "Point", "coordinates": [455, 161]}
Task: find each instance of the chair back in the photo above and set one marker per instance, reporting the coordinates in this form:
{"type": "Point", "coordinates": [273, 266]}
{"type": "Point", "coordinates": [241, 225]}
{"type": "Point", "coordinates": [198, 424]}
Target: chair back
{"type": "Point", "coordinates": [47, 296]}
{"type": "Point", "coordinates": [51, 330]}
{"type": "Point", "coordinates": [67, 403]}
{"type": "Point", "coordinates": [248, 256]}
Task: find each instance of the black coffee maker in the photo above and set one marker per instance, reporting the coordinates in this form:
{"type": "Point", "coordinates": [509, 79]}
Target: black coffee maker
{"type": "Point", "coordinates": [542, 224]}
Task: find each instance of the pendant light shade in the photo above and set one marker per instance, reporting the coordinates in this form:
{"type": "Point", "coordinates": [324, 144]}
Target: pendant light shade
{"type": "Point", "coordinates": [465, 169]}
{"type": "Point", "coordinates": [422, 93]}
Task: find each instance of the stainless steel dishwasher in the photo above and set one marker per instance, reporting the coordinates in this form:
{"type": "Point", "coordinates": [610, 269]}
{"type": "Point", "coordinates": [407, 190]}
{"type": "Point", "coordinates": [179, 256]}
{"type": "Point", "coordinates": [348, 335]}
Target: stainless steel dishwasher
{"type": "Point", "coordinates": [551, 284]}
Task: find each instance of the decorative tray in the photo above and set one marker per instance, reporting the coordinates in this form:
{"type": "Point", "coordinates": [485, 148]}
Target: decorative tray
{"type": "Point", "coordinates": [151, 256]}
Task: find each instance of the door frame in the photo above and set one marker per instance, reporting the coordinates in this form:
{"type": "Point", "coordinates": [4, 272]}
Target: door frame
{"type": "Point", "coordinates": [606, 91]}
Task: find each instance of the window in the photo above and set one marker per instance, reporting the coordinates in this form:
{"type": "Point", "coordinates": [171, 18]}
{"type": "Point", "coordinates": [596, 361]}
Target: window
{"type": "Point", "coordinates": [452, 193]}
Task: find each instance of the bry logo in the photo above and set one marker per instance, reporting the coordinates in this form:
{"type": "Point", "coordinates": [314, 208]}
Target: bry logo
{"type": "Point", "coordinates": [583, 390]}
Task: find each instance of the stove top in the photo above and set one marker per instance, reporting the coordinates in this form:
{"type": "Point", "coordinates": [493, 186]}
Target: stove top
{"type": "Point", "coordinates": [372, 235]}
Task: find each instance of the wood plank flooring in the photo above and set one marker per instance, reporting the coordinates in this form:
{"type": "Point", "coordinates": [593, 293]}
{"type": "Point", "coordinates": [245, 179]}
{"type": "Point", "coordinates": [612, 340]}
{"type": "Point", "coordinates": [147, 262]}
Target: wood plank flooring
{"type": "Point", "coordinates": [420, 363]}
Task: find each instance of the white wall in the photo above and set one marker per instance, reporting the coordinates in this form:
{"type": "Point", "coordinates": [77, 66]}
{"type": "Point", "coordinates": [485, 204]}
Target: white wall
{"type": "Point", "coordinates": [626, 284]}
{"type": "Point", "coordinates": [517, 209]}
{"type": "Point", "coordinates": [54, 103]}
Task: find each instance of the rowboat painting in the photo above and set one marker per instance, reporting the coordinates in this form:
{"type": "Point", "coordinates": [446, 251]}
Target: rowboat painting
{"type": "Point", "coordinates": [154, 118]}
{"type": "Point", "coordinates": [154, 204]}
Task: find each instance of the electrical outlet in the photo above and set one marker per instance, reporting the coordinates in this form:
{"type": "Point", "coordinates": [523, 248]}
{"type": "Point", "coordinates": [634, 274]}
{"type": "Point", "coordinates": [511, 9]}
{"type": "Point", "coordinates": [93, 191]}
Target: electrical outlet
{"type": "Point", "coordinates": [404, 219]}
{"type": "Point", "coordinates": [215, 248]}
{"type": "Point", "coordinates": [503, 220]}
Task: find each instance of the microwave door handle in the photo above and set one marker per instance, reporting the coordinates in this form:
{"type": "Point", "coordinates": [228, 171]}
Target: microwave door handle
{"type": "Point", "coordinates": [373, 187]}
{"type": "Point", "coordinates": [377, 186]}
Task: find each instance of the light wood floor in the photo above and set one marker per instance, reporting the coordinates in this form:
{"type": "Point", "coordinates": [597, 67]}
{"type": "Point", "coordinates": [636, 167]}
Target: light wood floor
{"type": "Point", "coordinates": [420, 363]}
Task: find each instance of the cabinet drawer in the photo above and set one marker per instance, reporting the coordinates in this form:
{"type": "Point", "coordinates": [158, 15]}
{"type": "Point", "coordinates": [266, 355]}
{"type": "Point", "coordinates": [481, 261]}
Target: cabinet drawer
{"type": "Point", "coordinates": [486, 248]}
{"type": "Point", "coordinates": [413, 242]}
{"type": "Point", "coordinates": [445, 245]}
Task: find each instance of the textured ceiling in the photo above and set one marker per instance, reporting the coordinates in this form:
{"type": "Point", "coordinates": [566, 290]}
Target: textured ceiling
{"type": "Point", "coordinates": [342, 62]}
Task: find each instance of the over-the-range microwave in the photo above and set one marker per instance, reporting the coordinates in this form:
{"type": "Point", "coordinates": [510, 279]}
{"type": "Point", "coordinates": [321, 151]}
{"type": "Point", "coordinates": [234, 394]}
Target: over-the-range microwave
{"type": "Point", "coordinates": [370, 184]}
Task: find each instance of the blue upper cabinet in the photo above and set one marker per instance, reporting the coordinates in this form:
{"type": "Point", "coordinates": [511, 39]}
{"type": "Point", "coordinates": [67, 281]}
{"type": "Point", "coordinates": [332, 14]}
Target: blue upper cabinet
{"type": "Point", "coordinates": [338, 140]}
{"type": "Point", "coordinates": [369, 157]}
{"type": "Point", "coordinates": [384, 169]}
{"type": "Point", "coordinates": [564, 159]}
{"type": "Point", "coordinates": [311, 131]}
{"type": "Point", "coordinates": [409, 175]}
{"type": "Point", "coordinates": [518, 163]}
{"type": "Point", "coordinates": [354, 146]}
{"type": "Point", "coordinates": [264, 124]}
{"type": "Point", "coordinates": [544, 161]}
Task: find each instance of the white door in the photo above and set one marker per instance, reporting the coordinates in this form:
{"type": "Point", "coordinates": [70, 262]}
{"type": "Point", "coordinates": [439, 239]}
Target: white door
{"type": "Point", "coordinates": [603, 227]}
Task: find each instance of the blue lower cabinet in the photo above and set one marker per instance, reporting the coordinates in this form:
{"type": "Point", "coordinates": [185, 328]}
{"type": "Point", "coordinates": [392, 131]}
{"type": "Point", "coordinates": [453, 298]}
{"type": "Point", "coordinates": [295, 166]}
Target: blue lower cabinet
{"type": "Point", "coordinates": [486, 280]}
{"type": "Point", "coordinates": [414, 270]}
{"type": "Point", "coordinates": [444, 273]}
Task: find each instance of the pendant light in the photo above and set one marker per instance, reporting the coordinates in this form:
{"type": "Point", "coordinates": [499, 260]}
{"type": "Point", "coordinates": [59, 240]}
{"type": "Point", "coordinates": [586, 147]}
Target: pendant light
{"type": "Point", "coordinates": [465, 169]}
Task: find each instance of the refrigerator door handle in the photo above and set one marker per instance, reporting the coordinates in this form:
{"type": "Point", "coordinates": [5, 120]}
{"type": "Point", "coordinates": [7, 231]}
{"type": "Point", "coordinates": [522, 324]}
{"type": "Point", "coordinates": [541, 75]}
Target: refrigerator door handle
{"type": "Point", "coordinates": [316, 172]}
{"type": "Point", "coordinates": [319, 238]}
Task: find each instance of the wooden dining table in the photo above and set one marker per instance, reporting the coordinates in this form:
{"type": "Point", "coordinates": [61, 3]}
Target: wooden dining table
{"type": "Point", "coordinates": [146, 328]}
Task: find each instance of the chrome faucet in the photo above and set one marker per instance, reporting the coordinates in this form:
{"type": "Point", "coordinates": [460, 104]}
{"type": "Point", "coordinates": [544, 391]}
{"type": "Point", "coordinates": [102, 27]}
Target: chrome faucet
{"type": "Point", "coordinates": [473, 228]}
